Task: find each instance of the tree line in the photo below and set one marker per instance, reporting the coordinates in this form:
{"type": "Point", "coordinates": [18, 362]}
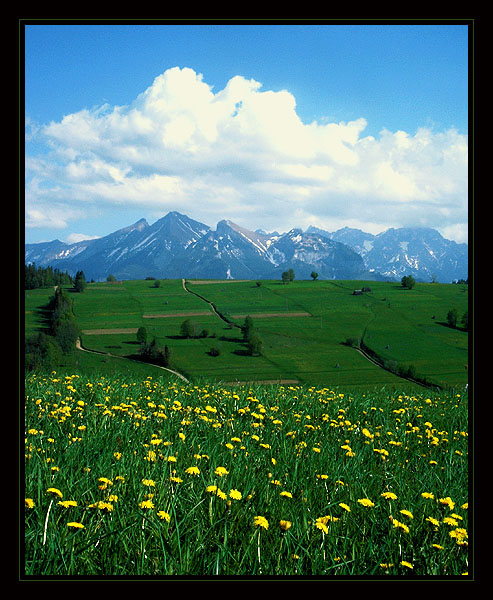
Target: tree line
{"type": "Point", "coordinates": [38, 277]}
{"type": "Point", "coordinates": [45, 350]}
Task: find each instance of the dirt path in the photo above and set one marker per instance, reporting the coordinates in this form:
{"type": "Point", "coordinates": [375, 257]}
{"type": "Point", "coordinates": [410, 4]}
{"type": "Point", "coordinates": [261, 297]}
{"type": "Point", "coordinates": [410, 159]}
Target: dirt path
{"type": "Point", "coordinates": [109, 331]}
{"type": "Point", "coordinates": [81, 347]}
{"type": "Point", "coordinates": [197, 313]}
{"type": "Point", "coordinates": [267, 315]}
{"type": "Point", "coordinates": [211, 304]}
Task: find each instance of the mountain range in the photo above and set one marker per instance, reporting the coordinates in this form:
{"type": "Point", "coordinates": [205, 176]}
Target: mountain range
{"type": "Point", "coordinates": [177, 246]}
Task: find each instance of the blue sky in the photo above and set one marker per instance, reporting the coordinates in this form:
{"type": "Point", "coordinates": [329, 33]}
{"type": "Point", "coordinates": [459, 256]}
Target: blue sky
{"type": "Point", "coordinates": [272, 126]}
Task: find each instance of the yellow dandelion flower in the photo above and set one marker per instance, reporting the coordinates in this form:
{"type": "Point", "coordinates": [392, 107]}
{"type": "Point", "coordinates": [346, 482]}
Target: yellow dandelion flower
{"type": "Point", "coordinates": [447, 501]}
{"type": "Point", "coordinates": [284, 525]}
{"type": "Point", "coordinates": [344, 506]}
{"type": "Point", "coordinates": [407, 513]}
{"type": "Point", "coordinates": [321, 523]}
{"type": "Point", "coordinates": [235, 494]}
{"type": "Point", "coordinates": [259, 521]}
{"type": "Point", "coordinates": [163, 515]}
{"type": "Point", "coordinates": [398, 525]}
{"type": "Point", "coordinates": [389, 496]}
{"type": "Point", "coordinates": [428, 495]}
{"type": "Point", "coordinates": [404, 563]}
{"type": "Point", "coordinates": [29, 503]}
{"type": "Point", "coordinates": [102, 505]}
{"type": "Point", "coordinates": [366, 502]}
{"type": "Point", "coordinates": [148, 482]}
{"type": "Point", "coordinates": [221, 471]}
{"type": "Point", "coordinates": [192, 471]}
{"type": "Point", "coordinates": [433, 521]}
{"type": "Point", "coordinates": [67, 503]}
{"type": "Point", "coordinates": [75, 525]}
{"type": "Point", "coordinates": [286, 494]}
{"type": "Point", "coordinates": [55, 492]}
{"type": "Point", "coordinates": [146, 504]}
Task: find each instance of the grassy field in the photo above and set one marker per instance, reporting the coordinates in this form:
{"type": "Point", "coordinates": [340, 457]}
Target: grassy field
{"type": "Point", "coordinates": [136, 476]}
{"type": "Point", "coordinates": [350, 471]}
{"type": "Point", "coordinates": [303, 325]}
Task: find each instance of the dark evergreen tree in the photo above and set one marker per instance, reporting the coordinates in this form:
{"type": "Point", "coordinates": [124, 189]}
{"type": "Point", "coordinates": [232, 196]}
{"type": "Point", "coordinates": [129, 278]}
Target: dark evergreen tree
{"type": "Point", "coordinates": [80, 282]}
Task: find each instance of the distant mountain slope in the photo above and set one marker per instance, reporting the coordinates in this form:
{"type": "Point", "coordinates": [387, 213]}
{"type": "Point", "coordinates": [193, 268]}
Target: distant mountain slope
{"type": "Point", "coordinates": [418, 251]}
{"type": "Point", "coordinates": [178, 246]}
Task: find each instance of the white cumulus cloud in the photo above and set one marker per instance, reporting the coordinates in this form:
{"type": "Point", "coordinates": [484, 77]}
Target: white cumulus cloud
{"type": "Point", "coordinates": [243, 153]}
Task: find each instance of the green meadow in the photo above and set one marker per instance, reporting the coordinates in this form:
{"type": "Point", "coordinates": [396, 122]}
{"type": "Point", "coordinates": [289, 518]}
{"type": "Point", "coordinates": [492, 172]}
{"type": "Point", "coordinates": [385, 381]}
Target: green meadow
{"type": "Point", "coordinates": [351, 471]}
{"type": "Point", "coordinates": [306, 327]}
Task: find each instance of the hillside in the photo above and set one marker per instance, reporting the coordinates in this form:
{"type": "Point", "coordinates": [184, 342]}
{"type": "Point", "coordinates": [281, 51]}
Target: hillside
{"type": "Point", "coordinates": [304, 326]}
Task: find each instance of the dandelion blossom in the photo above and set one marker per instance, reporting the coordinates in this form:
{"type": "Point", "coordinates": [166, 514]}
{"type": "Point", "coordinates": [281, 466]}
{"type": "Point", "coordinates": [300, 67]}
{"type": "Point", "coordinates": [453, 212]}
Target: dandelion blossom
{"type": "Point", "coordinates": [148, 482]}
{"type": "Point", "coordinates": [366, 502]}
{"type": "Point", "coordinates": [147, 504]}
{"type": "Point", "coordinates": [235, 494]}
{"type": "Point", "coordinates": [29, 502]}
{"type": "Point", "coordinates": [261, 522]}
{"type": "Point", "coordinates": [448, 501]}
{"type": "Point", "coordinates": [192, 471]}
{"type": "Point", "coordinates": [344, 506]}
{"type": "Point", "coordinates": [398, 525]}
{"type": "Point", "coordinates": [404, 563]}
{"type": "Point", "coordinates": [221, 471]}
{"type": "Point", "coordinates": [389, 496]}
{"type": "Point", "coordinates": [67, 503]}
{"type": "Point", "coordinates": [284, 525]}
{"type": "Point", "coordinates": [286, 494]}
{"type": "Point", "coordinates": [164, 515]}
{"type": "Point", "coordinates": [407, 513]}
{"type": "Point", "coordinates": [55, 492]}
{"type": "Point", "coordinates": [433, 521]}
{"type": "Point", "coordinates": [75, 525]}
{"type": "Point", "coordinates": [321, 524]}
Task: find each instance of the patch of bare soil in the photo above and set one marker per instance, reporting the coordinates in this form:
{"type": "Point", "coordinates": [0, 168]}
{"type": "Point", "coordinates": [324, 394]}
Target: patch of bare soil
{"type": "Point", "coordinates": [199, 313]}
{"type": "Point", "coordinates": [108, 331]}
{"type": "Point", "coordinates": [267, 315]}
{"type": "Point", "coordinates": [206, 281]}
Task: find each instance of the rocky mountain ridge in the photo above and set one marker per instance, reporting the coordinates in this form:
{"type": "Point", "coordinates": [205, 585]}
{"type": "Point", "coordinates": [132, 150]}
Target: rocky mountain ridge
{"type": "Point", "coordinates": [177, 246]}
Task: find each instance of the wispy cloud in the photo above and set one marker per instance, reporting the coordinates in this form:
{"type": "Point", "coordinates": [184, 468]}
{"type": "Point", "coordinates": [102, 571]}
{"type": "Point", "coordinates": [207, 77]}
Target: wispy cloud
{"type": "Point", "coordinates": [243, 153]}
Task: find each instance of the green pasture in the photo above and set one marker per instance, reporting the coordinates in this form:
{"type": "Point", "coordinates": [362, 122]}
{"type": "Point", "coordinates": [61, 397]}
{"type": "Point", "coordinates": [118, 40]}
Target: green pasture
{"type": "Point", "coordinates": [403, 327]}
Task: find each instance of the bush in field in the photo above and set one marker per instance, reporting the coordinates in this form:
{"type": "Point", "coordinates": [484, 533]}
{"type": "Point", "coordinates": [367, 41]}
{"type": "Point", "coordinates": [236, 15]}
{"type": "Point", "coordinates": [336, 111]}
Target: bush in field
{"type": "Point", "coordinates": [41, 352]}
{"type": "Point", "coordinates": [408, 282]}
{"type": "Point", "coordinates": [188, 329]}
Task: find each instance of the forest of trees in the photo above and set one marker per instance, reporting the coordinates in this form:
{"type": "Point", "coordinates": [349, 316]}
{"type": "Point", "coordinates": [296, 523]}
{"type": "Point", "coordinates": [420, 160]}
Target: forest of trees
{"type": "Point", "coordinates": [37, 277]}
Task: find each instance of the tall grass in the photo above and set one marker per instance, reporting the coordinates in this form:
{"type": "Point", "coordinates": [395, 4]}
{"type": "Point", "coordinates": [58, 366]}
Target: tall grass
{"type": "Point", "coordinates": [150, 478]}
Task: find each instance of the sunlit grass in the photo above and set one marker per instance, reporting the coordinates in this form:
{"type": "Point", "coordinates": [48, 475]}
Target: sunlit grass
{"type": "Point", "coordinates": [145, 477]}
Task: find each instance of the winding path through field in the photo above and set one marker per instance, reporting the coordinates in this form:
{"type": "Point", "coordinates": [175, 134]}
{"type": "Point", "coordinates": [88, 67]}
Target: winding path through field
{"type": "Point", "coordinates": [81, 347]}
